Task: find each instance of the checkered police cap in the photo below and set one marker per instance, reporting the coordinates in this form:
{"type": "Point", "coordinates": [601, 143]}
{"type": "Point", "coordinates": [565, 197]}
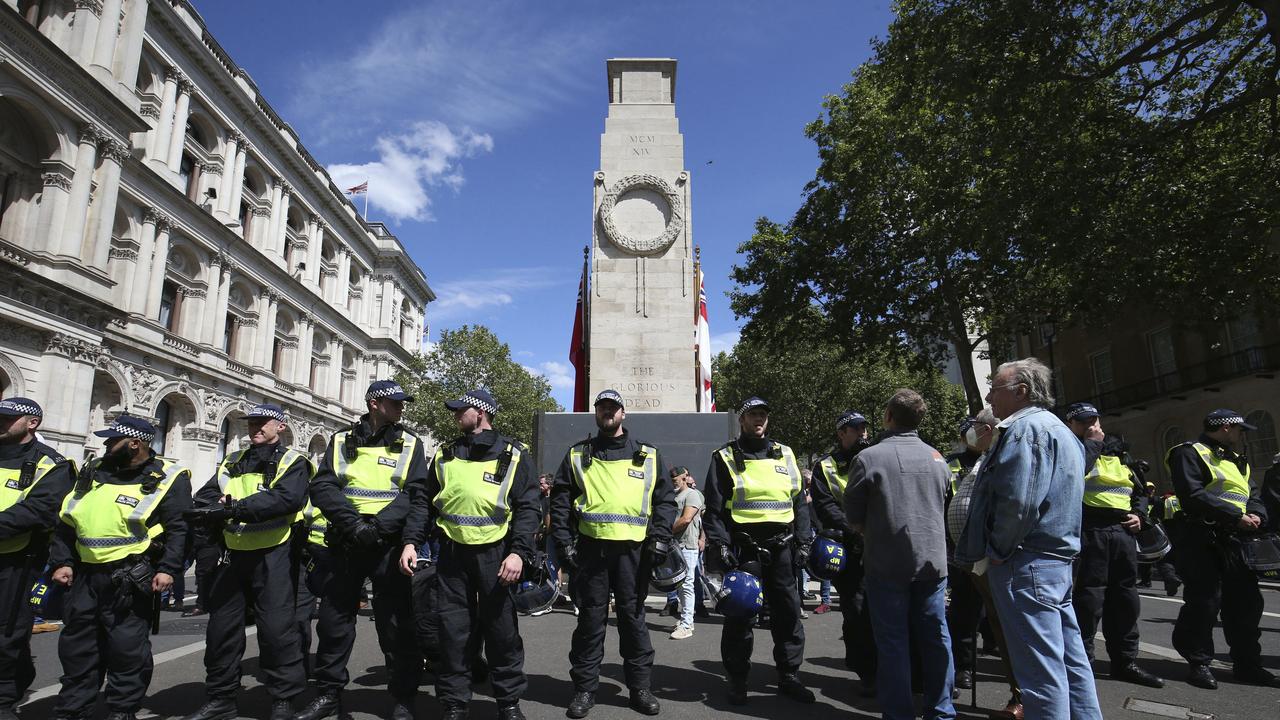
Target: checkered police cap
{"type": "Point", "coordinates": [130, 427]}
{"type": "Point", "coordinates": [266, 410]}
{"type": "Point", "coordinates": [479, 399]}
{"type": "Point", "coordinates": [387, 389]}
{"type": "Point", "coordinates": [19, 406]}
{"type": "Point", "coordinates": [751, 403]}
{"type": "Point", "coordinates": [850, 418]}
{"type": "Point", "coordinates": [1223, 417]}
{"type": "Point", "coordinates": [1082, 411]}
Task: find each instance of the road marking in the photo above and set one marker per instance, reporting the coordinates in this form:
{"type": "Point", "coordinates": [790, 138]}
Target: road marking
{"type": "Point", "coordinates": [1180, 602]}
{"type": "Point", "coordinates": [1164, 709]}
{"type": "Point", "coordinates": [164, 657]}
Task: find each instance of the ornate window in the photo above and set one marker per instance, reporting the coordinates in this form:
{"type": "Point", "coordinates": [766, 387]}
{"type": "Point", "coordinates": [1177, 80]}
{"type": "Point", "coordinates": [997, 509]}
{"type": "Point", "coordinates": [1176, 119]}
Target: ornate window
{"type": "Point", "coordinates": [170, 303]}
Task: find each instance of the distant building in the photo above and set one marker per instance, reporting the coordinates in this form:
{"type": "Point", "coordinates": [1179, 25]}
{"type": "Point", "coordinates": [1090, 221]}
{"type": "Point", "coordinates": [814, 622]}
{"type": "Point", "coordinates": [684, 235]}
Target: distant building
{"type": "Point", "coordinates": [169, 249]}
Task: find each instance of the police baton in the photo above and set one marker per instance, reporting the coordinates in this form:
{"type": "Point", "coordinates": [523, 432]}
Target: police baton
{"type": "Point", "coordinates": [155, 613]}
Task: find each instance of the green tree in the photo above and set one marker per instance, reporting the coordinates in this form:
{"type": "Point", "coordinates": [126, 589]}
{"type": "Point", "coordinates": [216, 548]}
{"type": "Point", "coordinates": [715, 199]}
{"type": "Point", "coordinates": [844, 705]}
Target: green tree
{"type": "Point", "coordinates": [809, 384]}
{"type": "Point", "coordinates": [468, 358]}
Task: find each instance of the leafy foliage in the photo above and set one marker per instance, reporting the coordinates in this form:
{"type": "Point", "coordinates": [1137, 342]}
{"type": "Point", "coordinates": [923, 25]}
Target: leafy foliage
{"type": "Point", "coordinates": [468, 358]}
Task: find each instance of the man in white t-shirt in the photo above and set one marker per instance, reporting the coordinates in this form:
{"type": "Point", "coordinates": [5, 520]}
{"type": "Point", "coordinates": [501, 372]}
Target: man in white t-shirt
{"type": "Point", "coordinates": [687, 532]}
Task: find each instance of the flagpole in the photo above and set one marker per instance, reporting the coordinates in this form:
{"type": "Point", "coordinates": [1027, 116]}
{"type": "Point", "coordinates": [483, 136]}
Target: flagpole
{"type": "Point", "coordinates": [366, 199]}
{"type": "Point", "coordinates": [697, 320]}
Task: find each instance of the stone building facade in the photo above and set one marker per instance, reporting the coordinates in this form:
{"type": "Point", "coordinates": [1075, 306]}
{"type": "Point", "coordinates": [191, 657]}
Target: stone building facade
{"type": "Point", "coordinates": [168, 248]}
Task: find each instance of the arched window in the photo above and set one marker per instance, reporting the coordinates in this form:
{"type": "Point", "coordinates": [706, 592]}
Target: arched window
{"type": "Point", "coordinates": [162, 426]}
{"type": "Point", "coordinates": [1262, 446]}
{"type": "Point", "coordinates": [224, 437]}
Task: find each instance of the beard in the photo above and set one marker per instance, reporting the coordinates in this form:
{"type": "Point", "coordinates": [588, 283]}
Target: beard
{"type": "Point", "coordinates": [117, 458]}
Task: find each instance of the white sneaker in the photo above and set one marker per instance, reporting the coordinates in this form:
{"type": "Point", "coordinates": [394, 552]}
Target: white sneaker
{"type": "Point", "coordinates": [540, 613]}
{"type": "Point", "coordinates": [575, 611]}
{"type": "Point", "coordinates": [681, 632]}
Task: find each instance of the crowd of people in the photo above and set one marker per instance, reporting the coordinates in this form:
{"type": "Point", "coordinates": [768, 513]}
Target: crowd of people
{"type": "Point", "coordinates": [1033, 531]}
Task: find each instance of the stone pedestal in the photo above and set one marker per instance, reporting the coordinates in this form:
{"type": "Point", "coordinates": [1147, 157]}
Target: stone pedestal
{"type": "Point", "coordinates": [642, 302]}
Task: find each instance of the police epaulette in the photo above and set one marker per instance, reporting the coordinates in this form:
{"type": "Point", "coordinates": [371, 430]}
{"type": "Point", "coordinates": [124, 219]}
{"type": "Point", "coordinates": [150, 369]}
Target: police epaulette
{"type": "Point", "coordinates": [446, 453]}
{"type": "Point", "coordinates": [639, 457]}
{"type": "Point", "coordinates": [152, 482]}
{"type": "Point", "coordinates": [775, 450]}
{"type": "Point", "coordinates": [586, 452]}
{"type": "Point", "coordinates": [27, 475]}
{"type": "Point", "coordinates": [739, 463]}
{"type": "Point", "coordinates": [504, 462]}
{"type": "Point", "coordinates": [269, 474]}
{"type": "Point", "coordinates": [85, 480]}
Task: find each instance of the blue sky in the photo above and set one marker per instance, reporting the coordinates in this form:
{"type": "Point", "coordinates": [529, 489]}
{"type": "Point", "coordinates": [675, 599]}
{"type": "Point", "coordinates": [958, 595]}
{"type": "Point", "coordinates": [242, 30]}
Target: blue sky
{"type": "Point", "coordinates": [478, 124]}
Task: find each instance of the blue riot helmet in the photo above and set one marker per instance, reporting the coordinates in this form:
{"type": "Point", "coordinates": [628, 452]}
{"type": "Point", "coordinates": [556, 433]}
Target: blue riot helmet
{"type": "Point", "coordinates": [668, 575]}
{"type": "Point", "coordinates": [537, 590]}
{"type": "Point", "coordinates": [826, 558]}
{"type": "Point", "coordinates": [739, 595]}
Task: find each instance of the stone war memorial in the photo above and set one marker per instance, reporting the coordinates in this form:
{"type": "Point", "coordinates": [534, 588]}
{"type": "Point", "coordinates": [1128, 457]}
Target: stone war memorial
{"type": "Point", "coordinates": [642, 287]}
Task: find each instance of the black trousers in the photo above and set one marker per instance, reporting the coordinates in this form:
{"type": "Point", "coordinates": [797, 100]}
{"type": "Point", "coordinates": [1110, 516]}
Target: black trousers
{"type": "Point", "coordinates": [100, 641]}
{"type": "Point", "coordinates": [1106, 587]}
{"type": "Point", "coordinates": [780, 592]}
{"type": "Point", "coordinates": [962, 617]}
{"type": "Point", "coordinates": [207, 552]}
{"type": "Point", "coordinates": [313, 571]}
{"type": "Point", "coordinates": [606, 566]}
{"type": "Point", "coordinates": [860, 653]}
{"type": "Point", "coordinates": [472, 606]}
{"type": "Point", "coordinates": [1214, 580]}
{"type": "Point", "coordinates": [392, 615]}
{"type": "Point", "coordinates": [263, 580]}
{"type": "Point", "coordinates": [16, 669]}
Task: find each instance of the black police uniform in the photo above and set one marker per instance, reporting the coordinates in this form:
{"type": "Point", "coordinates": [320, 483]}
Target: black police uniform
{"type": "Point", "coordinates": [1106, 572]}
{"type": "Point", "coordinates": [1213, 576]}
{"type": "Point", "coordinates": [779, 578]}
{"type": "Point", "coordinates": [256, 579]}
{"type": "Point", "coordinates": [470, 603]}
{"type": "Point", "coordinates": [620, 567]}
{"type": "Point", "coordinates": [340, 595]}
{"type": "Point", "coordinates": [36, 514]}
{"type": "Point", "coordinates": [96, 638]}
{"type": "Point", "coordinates": [964, 613]}
{"type": "Point", "coordinates": [855, 623]}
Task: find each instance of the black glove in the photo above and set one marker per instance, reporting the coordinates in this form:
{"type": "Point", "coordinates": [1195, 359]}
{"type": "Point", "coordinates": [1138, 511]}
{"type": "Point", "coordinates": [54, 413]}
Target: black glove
{"type": "Point", "coordinates": [235, 509]}
{"type": "Point", "coordinates": [852, 543]}
{"type": "Point", "coordinates": [658, 551]}
{"type": "Point", "coordinates": [727, 557]}
{"type": "Point", "coordinates": [802, 554]}
{"type": "Point", "coordinates": [569, 558]}
{"type": "Point", "coordinates": [208, 515]}
{"type": "Point", "coordinates": [833, 534]}
{"type": "Point", "coordinates": [366, 535]}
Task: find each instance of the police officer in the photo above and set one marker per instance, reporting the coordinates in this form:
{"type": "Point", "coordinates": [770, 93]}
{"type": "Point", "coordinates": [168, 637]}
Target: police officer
{"type": "Point", "coordinates": [830, 477]}
{"type": "Point", "coordinates": [1115, 509]}
{"type": "Point", "coordinates": [756, 512]}
{"type": "Point", "coordinates": [118, 547]}
{"type": "Point", "coordinates": [1211, 479]}
{"type": "Point", "coordinates": [611, 516]}
{"type": "Point", "coordinates": [34, 479]}
{"type": "Point", "coordinates": [253, 501]}
{"type": "Point", "coordinates": [359, 488]}
{"type": "Point", "coordinates": [482, 494]}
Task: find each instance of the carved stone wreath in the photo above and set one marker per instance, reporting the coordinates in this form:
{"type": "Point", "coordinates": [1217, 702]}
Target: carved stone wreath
{"type": "Point", "coordinates": [642, 246]}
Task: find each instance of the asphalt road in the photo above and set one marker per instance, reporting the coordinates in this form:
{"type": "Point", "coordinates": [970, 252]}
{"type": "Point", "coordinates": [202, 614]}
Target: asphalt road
{"type": "Point", "coordinates": [688, 677]}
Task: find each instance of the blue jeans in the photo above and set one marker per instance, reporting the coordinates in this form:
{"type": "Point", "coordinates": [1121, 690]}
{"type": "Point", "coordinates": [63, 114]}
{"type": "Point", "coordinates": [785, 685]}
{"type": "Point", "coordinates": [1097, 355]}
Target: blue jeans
{"type": "Point", "coordinates": [826, 592]}
{"type": "Point", "coordinates": [902, 614]}
{"type": "Point", "coordinates": [1032, 594]}
{"type": "Point", "coordinates": [687, 587]}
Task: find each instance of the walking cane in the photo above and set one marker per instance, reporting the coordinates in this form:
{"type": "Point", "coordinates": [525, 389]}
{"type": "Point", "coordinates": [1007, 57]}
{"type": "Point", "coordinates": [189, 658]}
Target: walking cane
{"type": "Point", "coordinates": [973, 648]}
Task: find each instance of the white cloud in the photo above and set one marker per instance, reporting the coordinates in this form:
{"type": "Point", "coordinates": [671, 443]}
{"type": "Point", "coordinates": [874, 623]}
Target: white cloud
{"type": "Point", "coordinates": [409, 163]}
{"type": "Point", "coordinates": [560, 375]}
{"type": "Point", "coordinates": [465, 300]}
{"type": "Point", "coordinates": [724, 342]}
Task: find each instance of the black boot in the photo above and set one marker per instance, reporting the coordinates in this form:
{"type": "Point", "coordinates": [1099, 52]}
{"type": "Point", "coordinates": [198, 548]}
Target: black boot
{"type": "Point", "coordinates": [964, 679]}
{"type": "Point", "coordinates": [1202, 677]}
{"type": "Point", "coordinates": [281, 710]}
{"type": "Point", "coordinates": [790, 686]}
{"type": "Point", "coordinates": [510, 712]}
{"type": "Point", "coordinates": [1255, 675]}
{"type": "Point", "coordinates": [581, 704]}
{"type": "Point", "coordinates": [402, 710]}
{"type": "Point", "coordinates": [326, 705]}
{"type": "Point", "coordinates": [643, 701]}
{"type": "Point", "coordinates": [737, 691]}
{"type": "Point", "coordinates": [219, 708]}
{"type": "Point", "coordinates": [1130, 672]}
{"type": "Point", "coordinates": [455, 712]}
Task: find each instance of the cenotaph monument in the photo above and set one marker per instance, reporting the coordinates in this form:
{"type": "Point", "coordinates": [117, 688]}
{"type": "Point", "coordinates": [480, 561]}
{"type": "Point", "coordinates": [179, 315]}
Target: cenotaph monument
{"type": "Point", "coordinates": [642, 295]}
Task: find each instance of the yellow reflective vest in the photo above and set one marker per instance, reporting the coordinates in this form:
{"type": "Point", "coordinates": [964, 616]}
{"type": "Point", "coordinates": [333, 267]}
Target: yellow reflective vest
{"type": "Point", "coordinates": [1109, 484]}
{"type": "Point", "coordinates": [15, 485]}
{"type": "Point", "coordinates": [474, 501]}
{"type": "Point", "coordinates": [765, 491]}
{"type": "Point", "coordinates": [258, 535]}
{"type": "Point", "coordinates": [835, 480]}
{"type": "Point", "coordinates": [316, 523]}
{"type": "Point", "coordinates": [375, 476]}
{"type": "Point", "coordinates": [1228, 482]}
{"type": "Point", "coordinates": [614, 495]}
{"type": "Point", "coordinates": [110, 520]}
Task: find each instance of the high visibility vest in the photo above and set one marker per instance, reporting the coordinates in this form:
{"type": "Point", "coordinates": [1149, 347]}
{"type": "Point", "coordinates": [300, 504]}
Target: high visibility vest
{"type": "Point", "coordinates": [614, 495]}
{"type": "Point", "coordinates": [474, 502]}
{"type": "Point", "coordinates": [957, 473]}
{"type": "Point", "coordinates": [15, 485]}
{"type": "Point", "coordinates": [766, 490]}
{"type": "Point", "coordinates": [375, 476]}
{"type": "Point", "coordinates": [317, 524]}
{"type": "Point", "coordinates": [1109, 484]}
{"type": "Point", "coordinates": [835, 480]}
{"type": "Point", "coordinates": [1228, 482]}
{"type": "Point", "coordinates": [110, 520]}
{"type": "Point", "coordinates": [258, 535]}
{"type": "Point", "coordinates": [1171, 507]}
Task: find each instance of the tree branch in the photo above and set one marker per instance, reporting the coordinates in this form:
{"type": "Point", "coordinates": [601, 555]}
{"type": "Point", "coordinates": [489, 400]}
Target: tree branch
{"type": "Point", "coordinates": [1139, 54]}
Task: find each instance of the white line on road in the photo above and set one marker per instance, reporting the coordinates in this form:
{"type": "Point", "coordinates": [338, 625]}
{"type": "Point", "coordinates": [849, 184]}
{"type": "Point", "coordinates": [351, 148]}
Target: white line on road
{"type": "Point", "coordinates": [164, 657]}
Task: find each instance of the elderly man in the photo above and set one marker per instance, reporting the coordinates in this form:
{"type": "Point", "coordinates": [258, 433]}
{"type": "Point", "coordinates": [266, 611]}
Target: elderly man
{"type": "Point", "coordinates": [1024, 531]}
{"type": "Point", "coordinates": [895, 497]}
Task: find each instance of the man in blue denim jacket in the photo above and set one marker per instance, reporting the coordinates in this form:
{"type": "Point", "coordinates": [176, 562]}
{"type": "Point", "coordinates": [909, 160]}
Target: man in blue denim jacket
{"type": "Point", "coordinates": [1024, 532]}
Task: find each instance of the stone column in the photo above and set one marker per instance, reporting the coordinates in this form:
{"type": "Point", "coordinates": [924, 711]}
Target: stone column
{"type": "Point", "coordinates": [271, 231]}
{"type": "Point", "coordinates": [282, 226]}
{"type": "Point", "coordinates": [130, 43]}
{"type": "Point", "coordinates": [55, 195]}
{"type": "Point", "coordinates": [196, 305]}
{"type": "Point", "coordinates": [84, 28]}
{"type": "Point", "coordinates": [388, 301]}
{"type": "Point", "coordinates": [159, 148]}
{"type": "Point", "coordinates": [113, 157]}
{"type": "Point", "coordinates": [137, 280]}
{"type": "Point", "coordinates": [220, 309]}
{"type": "Point", "coordinates": [267, 330]}
{"type": "Point", "coordinates": [179, 134]}
{"type": "Point", "coordinates": [67, 368]}
{"type": "Point", "coordinates": [211, 327]}
{"type": "Point", "coordinates": [104, 45]}
{"type": "Point", "coordinates": [302, 364]}
{"type": "Point", "coordinates": [78, 203]}
{"type": "Point", "coordinates": [315, 250]}
{"type": "Point", "coordinates": [158, 267]}
{"type": "Point", "coordinates": [344, 277]}
{"type": "Point", "coordinates": [237, 179]}
{"type": "Point", "coordinates": [229, 149]}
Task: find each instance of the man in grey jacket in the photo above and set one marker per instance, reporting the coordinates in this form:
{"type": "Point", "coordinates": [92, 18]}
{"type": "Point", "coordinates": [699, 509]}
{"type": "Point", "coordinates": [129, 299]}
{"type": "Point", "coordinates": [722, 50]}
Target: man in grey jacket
{"type": "Point", "coordinates": [896, 497]}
